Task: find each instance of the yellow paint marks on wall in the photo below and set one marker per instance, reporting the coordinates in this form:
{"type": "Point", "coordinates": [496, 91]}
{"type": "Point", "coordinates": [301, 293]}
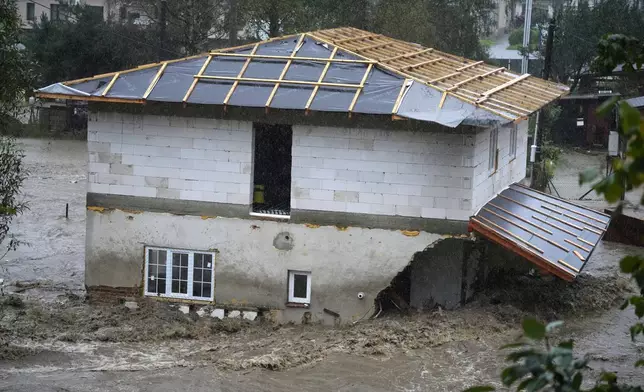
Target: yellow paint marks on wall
{"type": "Point", "coordinates": [311, 225]}
{"type": "Point", "coordinates": [135, 212]}
{"type": "Point", "coordinates": [410, 233]}
{"type": "Point", "coordinates": [342, 228]}
{"type": "Point", "coordinates": [96, 209]}
{"type": "Point", "coordinates": [205, 217]}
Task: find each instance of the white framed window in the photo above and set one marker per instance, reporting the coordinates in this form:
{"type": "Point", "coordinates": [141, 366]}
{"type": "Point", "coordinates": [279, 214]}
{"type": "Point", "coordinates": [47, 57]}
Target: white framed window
{"type": "Point", "coordinates": [513, 142]}
{"type": "Point", "coordinates": [176, 273]}
{"type": "Point", "coordinates": [494, 145]}
{"type": "Point", "coordinates": [299, 287]}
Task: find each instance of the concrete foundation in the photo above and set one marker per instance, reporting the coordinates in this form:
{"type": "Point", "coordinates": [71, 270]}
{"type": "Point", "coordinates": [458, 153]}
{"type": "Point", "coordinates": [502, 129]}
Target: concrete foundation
{"type": "Point", "coordinates": [249, 269]}
{"type": "Point", "coordinates": [446, 274]}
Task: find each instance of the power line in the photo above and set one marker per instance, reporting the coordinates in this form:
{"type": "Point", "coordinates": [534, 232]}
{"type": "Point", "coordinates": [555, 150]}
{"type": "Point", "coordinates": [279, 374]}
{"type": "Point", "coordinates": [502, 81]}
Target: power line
{"type": "Point", "coordinates": [117, 34]}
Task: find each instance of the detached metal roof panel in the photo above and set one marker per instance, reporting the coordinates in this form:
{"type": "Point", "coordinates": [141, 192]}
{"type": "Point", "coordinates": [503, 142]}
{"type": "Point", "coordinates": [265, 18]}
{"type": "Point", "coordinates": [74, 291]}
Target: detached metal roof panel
{"type": "Point", "coordinates": [636, 102]}
{"type": "Point", "coordinates": [554, 234]}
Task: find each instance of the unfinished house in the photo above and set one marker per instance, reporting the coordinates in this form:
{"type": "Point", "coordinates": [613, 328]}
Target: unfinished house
{"type": "Point", "coordinates": [302, 174]}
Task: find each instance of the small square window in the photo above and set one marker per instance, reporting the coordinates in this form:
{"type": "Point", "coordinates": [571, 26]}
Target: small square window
{"type": "Point", "coordinates": [299, 287]}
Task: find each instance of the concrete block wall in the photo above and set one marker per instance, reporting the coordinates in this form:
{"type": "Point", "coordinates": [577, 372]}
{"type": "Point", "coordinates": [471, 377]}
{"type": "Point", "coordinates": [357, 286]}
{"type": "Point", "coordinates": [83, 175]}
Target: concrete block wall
{"type": "Point", "coordinates": [371, 171]}
{"type": "Point", "coordinates": [488, 183]}
{"type": "Point", "coordinates": [170, 157]}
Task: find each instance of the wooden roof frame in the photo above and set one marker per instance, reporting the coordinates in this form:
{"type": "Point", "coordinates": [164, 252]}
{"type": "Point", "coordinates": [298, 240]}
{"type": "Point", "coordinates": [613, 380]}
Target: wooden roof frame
{"type": "Point", "coordinates": [494, 89]}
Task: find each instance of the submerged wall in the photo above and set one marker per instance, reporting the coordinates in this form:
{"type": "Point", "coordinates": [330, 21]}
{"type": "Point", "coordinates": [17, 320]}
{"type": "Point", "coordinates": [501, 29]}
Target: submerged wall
{"type": "Point", "coordinates": [249, 270]}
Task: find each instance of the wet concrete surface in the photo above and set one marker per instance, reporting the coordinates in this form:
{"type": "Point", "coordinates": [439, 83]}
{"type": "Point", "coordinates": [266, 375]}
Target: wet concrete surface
{"type": "Point", "coordinates": [54, 258]}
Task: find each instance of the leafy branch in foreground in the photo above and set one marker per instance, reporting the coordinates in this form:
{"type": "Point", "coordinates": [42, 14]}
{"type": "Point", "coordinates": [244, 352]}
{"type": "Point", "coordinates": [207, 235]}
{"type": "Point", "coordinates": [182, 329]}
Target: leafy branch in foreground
{"type": "Point", "coordinates": [537, 363]}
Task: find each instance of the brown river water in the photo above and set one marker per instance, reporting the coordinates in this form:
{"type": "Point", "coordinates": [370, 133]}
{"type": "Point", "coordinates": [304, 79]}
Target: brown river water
{"type": "Point", "coordinates": [121, 351]}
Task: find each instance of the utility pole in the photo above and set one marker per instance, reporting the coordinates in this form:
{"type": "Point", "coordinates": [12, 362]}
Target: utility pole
{"type": "Point", "coordinates": [537, 167]}
{"type": "Point", "coordinates": [527, 24]}
{"type": "Point", "coordinates": [162, 30]}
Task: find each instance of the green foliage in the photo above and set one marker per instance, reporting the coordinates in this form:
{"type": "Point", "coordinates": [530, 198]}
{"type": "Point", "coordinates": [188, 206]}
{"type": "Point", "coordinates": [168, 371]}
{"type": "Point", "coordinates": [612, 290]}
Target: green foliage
{"type": "Point", "coordinates": [86, 45]}
{"type": "Point", "coordinates": [536, 364]}
{"type": "Point", "coordinates": [16, 71]}
{"type": "Point", "coordinates": [454, 26]}
{"type": "Point", "coordinates": [13, 175]}
{"type": "Point", "coordinates": [516, 39]}
{"type": "Point", "coordinates": [580, 28]}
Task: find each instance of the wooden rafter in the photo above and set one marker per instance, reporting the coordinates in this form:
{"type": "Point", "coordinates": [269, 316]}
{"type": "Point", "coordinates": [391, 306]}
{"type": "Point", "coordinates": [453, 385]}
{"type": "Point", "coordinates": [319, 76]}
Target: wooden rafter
{"type": "Point", "coordinates": [320, 79]}
{"type": "Point", "coordinates": [281, 81]}
{"type": "Point", "coordinates": [240, 75]}
{"type": "Point", "coordinates": [155, 80]}
{"type": "Point", "coordinates": [359, 90]}
{"type": "Point", "coordinates": [422, 63]}
{"type": "Point", "coordinates": [358, 38]}
{"type": "Point", "coordinates": [451, 75]}
{"type": "Point", "coordinates": [487, 94]}
{"type": "Point", "coordinates": [373, 46]}
{"type": "Point", "coordinates": [475, 77]}
{"type": "Point", "coordinates": [463, 68]}
{"type": "Point", "coordinates": [403, 89]}
{"type": "Point", "coordinates": [284, 70]}
{"type": "Point", "coordinates": [406, 55]}
{"type": "Point", "coordinates": [110, 84]}
{"type": "Point", "coordinates": [293, 58]}
{"type": "Point", "coordinates": [196, 80]}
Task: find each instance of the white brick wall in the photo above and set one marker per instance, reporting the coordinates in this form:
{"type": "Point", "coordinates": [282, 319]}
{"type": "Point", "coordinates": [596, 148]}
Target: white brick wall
{"type": "Point", "coordinates": [488, 184]}
{"type": "Point", "coordinates": [371, 171]}
{"type": "Point", "coordinates": [170, 157]}
{"type": "Point", "coordinates": [415, 174]}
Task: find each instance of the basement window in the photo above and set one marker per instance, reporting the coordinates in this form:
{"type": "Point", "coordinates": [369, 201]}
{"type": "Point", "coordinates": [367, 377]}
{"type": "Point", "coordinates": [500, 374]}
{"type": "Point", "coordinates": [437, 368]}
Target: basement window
{"type": "Point", "coordinates": [299, 287]}
{"type": "Point", "coordinates": [272, 170]}
{"type": "Point", "coordinates": [184, 274]}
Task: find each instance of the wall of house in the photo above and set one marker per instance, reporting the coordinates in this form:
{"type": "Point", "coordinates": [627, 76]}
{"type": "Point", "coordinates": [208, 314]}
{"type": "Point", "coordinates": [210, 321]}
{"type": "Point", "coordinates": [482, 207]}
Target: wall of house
{"type": "Point", "coordinates": [170, 157]}
{"type": "Point", "coordinates": [182, 182]}
{"type": "Point", "coordinates": [44, 8]}
{"type": "Point", "coordinates": [249, 270]}
{"type": "Point", "coordinates": [488, 183]}
{"type": "Point", "coordinates": [371, 171]}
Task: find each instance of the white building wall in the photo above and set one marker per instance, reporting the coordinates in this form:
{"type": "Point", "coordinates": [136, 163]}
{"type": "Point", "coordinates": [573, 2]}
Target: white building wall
{"type": "Point", "coordinates": [170, 157]}
{"type": "Point", "coordinates": [370, 171]}
{"type": "Point", "coordinates": [488, 183]}
{"type": "Point", "coordinates": [43, 7]}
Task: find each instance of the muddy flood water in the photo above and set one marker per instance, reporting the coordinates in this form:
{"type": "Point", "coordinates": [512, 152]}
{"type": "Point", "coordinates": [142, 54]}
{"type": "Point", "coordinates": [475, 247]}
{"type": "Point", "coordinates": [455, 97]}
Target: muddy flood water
{"type": "Point", "coordinates": [54, 341]}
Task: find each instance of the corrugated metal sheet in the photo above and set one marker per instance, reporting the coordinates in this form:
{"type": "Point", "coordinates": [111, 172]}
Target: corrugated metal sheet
{"type": "Point", "coordinates": [636, 102]}
{"type": "Point", "coordinates": [554, 234]}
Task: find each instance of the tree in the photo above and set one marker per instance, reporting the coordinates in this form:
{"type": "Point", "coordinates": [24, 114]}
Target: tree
{"type": "Point", "coordinates": [86, 45]}
{"type": "Point", "coordinates": [538, 363]}
{"type": "Point", "coordinates": [454, 26]}
{"type": "Point", "coordinates": [17, 78]}
{"type": "Point", "coordinates": [191, 23]}
{"type": "Point", "coordinates": [580, 28]}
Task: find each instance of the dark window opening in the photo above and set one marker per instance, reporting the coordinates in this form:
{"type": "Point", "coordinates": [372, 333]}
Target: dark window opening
{"type": "Point", "coordinates": [272, 172]}
{"type": "Point", "coordinates": [96, 11]}
{"type": "Point", "coordinates": [31, 11]}
{"type": "Point", "coordinates": [59, 11]}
